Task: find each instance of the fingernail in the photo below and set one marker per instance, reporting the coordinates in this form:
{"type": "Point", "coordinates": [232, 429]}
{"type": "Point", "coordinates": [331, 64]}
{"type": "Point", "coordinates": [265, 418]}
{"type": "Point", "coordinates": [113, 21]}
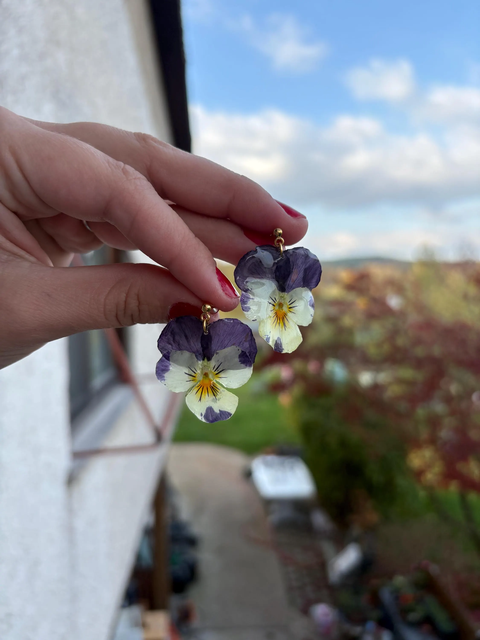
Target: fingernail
{"type": "Point", "coordinates": [183, 309]}
{"type": "Point", "coordinates": [291, 212]}
{"type": "Point", "coordinates": [257, 238]}
{"type": "Point", "coordinates": [227, 287]}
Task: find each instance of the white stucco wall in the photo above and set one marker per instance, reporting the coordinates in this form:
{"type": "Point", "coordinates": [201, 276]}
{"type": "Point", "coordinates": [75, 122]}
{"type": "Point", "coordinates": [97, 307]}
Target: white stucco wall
{"type": "Point", "coordinates": [66, 546]}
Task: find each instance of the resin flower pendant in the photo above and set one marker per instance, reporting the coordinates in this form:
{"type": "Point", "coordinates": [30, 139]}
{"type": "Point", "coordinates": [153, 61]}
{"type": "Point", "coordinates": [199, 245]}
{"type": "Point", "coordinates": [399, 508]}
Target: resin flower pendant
{"type": "Point", "coordinates": [276, 290]}
{"type": "Point", "coordinates": [203, 361]}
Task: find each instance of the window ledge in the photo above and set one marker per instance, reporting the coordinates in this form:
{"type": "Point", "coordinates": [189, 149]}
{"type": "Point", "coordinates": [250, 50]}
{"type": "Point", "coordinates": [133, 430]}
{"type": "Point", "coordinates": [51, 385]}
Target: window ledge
{"type": "Point", "coordinates": [90, 428]}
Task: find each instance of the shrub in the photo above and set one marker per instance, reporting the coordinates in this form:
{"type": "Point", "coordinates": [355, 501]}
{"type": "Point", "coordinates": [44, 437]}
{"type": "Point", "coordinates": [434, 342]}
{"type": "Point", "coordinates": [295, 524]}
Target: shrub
{"type": "Point", "coordinates": [357, 460]}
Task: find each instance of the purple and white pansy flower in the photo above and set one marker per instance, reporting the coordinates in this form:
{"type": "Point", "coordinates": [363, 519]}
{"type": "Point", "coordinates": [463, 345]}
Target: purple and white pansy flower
{"type": "Point", "coordinates": [202, 365]}
{"type": "Point", "coordinates": [277, 291]}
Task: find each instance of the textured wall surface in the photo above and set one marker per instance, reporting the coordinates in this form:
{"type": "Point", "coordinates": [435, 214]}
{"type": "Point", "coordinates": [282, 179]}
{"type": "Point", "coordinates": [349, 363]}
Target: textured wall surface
{"type": "Point", "coordinates": [81, 60]}
{"type": "Point", "coordinates": [66, 547]}
{"type": "Point", "coordinates": [34, 501]}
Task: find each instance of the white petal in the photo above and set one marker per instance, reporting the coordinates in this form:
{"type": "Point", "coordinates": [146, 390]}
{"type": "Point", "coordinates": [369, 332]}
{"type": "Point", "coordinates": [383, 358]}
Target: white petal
{"type": "Point", "coordinates": [211, 408]}
{"type": "Point", "coordinates": [301, 306]}
{"type": "Point", "coordinates": [259, 293]}
{"type": "Point", "coordinates": [183, 368]}
{"type": "Point", "coordinates": [231, 372]}
{"type": "Point", "coordinates": [283, 339]}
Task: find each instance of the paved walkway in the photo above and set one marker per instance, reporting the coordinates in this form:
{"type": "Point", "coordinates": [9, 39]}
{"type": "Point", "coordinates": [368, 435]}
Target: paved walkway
{"type": "Point", "coordinates": [240, 593]}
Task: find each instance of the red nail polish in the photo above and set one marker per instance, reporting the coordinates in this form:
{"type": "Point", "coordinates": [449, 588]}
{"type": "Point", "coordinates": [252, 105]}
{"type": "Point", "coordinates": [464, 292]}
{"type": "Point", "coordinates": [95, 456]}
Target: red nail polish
{"type": "Point", "coordinates": [257, 238]}
{"type": "Point", "coordinates": [291, 212]}
{"type": "Point", "coordinates": [183, 309]}
{"type": "Point", "coordinates": [227, 287]}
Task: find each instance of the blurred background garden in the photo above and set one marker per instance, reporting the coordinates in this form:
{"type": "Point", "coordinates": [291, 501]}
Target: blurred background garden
{"type": "Point", "coordinates": [364, 117]}
{"type": "Point", "coordinates": [383, 401]}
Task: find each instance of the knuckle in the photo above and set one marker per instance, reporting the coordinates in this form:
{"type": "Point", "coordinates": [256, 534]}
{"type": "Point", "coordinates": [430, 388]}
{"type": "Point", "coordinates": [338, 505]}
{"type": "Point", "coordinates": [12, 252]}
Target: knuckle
{"type": "Point", "coordinates": [129, 185]}
{"type": "Point", "coordinates": [123, 306]}
{"type": "Point", "coordinates": [245, 184]}
{"type": "Point", "coordinates": [153, 153]}
{"type": "Point", "coordinates": [239, 188]}
{"type": "Point", "coordinates": [129, 176]}
{"type": "Point", "coordinates": [147, 141]}
{"type": "Point", "coordinates": [183, 247]}
{"type": "Point", "coordinates": [234, 187]}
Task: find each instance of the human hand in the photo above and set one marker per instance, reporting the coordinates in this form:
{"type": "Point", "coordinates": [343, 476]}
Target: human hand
{"type": "Point", "coordinates": [53, 177]}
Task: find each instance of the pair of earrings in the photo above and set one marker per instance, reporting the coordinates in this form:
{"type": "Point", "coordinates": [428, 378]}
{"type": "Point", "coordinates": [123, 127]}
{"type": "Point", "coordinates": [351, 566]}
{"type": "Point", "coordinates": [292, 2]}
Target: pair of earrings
{"type": "Point", "coordinates": [202, 359]}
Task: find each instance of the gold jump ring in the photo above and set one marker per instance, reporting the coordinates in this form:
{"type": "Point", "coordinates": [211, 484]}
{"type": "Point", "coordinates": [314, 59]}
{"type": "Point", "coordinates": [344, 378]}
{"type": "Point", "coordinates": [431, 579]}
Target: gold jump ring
{"type": "Point", "coordinates": [279, 241]}
{"type": "Point", "coordinates": [205, 316]}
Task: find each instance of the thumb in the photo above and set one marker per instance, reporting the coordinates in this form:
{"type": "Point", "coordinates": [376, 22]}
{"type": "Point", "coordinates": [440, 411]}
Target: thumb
{"type": "Point", "coordinates": [40, 303]}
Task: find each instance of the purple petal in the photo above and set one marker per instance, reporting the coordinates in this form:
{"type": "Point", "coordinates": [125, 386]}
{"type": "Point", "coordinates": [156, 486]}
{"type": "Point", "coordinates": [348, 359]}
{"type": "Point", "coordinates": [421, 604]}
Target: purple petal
{"type": "Point", "coordinates": [162, 368]}
{"type": "Point", "coordinates": [215, 416]}
{"type": "Point", "coordinates": [186, 334]}
{"type": "Point", "coordinates": [182, 334]}
{"type": "Point", "coordinates": [227, 333]}
{"type": "Point", "coordinates": [297, 267]}
{"type": "Point", "coordinates": [259, 263]}
{"type": "Point", "coordinates": [278, 346]}
{"type": "Point", "coordinates": [245, 299]}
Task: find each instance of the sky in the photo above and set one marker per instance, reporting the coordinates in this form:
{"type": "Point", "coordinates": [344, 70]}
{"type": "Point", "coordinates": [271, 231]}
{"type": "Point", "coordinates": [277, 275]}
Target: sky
{"type": "Point", "coordinates": [362, 114]}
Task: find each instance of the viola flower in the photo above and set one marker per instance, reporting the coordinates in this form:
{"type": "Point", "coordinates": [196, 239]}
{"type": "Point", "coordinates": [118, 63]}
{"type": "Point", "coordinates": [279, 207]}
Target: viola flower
{"type": "Point", "coordinates": [202, 365]}
{"type": "Point", "coordinates": [276, 290]}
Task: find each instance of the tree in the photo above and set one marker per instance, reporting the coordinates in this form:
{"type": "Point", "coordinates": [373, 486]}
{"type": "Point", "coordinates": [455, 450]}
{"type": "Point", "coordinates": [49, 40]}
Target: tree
{"type": "Point", "coordinates": [409, 344]}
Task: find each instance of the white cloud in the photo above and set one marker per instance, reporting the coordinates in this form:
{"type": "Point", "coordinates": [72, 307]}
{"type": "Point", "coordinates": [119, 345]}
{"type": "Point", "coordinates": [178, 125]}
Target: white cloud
{"type": "Point", "coordinates": [405, 244]}
{"type": "Point", "coordinates": [351, 163]}
{"type": "Point", "coordinates": [394, 82]}
{"type": "Point", "coordinates": [411, 189]}
{"type": "Point", "coordinates": [285, 42]}
{"type": "Point", "coordinates": [459, 106]}
{"type": "Point", "coordinates": [382, 80]}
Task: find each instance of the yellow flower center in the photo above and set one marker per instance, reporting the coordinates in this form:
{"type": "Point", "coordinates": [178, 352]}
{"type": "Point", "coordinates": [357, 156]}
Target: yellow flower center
{"type": "Point", "coordinates": [281, 307]}
{"type": "Point", "coordinates": [205, 385]}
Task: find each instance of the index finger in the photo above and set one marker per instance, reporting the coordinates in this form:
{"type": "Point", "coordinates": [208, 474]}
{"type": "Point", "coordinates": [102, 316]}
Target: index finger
{"type": "Point", "coordinates": [51, 173]}
{"type": "Point", "coordinates": [192, 182]}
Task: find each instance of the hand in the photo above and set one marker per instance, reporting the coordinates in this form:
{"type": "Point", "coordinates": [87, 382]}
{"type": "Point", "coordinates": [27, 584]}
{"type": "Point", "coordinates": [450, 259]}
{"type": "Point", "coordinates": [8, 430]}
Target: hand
{"type": "Point", "coordinates": [54, 177]}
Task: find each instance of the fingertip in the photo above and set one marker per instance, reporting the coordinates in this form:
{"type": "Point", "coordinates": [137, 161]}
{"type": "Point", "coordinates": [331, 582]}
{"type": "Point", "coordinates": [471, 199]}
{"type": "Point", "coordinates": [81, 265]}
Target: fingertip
{"type": "Point", "coordinates": [226, 286]}
{"type": "Point", "coordinates": [257, 238]}
{"type": "Point", "coordinates": [295, 224]}
{"type": "Point", "coordinates": [180, 309]}
{"type": "Point", "coordinates": [293, 213]}
{"type": "Point", "coordinates": [230, 305]}
{"type": "Point", "coordinates": [225, 297]}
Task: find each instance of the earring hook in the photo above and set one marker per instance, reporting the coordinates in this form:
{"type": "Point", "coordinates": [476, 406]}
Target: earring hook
{"type": "Point", "coordinates": [279, 241]}
{"type": "Point", "coordinates": [207, 309]}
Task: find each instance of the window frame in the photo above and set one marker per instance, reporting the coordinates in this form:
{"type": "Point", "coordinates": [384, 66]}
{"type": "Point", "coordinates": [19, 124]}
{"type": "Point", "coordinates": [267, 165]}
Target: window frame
{"type": "Point", "coordinates": [93, 374]}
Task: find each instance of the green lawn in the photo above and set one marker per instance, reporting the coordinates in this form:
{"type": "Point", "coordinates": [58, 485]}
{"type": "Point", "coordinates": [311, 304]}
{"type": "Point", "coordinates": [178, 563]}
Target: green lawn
{"type": "Point", "coordinates": [260, 421]}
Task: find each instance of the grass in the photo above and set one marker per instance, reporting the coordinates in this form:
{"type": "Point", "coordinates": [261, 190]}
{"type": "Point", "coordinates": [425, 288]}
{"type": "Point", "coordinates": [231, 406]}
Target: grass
{"type": "Point", "coordinates": [259, 422]}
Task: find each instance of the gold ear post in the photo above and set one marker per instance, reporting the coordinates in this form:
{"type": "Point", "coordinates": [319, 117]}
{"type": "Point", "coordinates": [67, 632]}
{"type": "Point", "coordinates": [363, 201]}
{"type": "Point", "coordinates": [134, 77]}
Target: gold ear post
{"type": "Point", "coordinates": [207, 309]}
{"type": "Point", "coordinates": [279, 241]}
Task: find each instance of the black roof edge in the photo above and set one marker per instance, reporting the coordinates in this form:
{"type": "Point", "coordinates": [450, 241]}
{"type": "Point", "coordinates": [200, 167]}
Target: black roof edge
{"type": "Point", "coordinates": [167, 23]}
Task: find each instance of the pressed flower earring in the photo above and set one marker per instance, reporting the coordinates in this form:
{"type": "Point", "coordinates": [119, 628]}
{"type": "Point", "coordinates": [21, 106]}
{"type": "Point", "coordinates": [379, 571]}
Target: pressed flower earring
{"type": "Point", "coordinates": [276, 287]}
{"type": "Point", "coordinates": [201, 359]}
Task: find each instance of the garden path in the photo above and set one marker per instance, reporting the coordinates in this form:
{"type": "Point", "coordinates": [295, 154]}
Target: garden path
{"type": "Point", "coordinates": [240, 593]}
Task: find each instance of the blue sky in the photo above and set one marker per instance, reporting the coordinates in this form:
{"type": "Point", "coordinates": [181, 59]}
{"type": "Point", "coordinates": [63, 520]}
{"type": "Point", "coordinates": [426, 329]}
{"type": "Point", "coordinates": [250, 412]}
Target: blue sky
{"type": "Point", "coordinates": [364, 115]}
